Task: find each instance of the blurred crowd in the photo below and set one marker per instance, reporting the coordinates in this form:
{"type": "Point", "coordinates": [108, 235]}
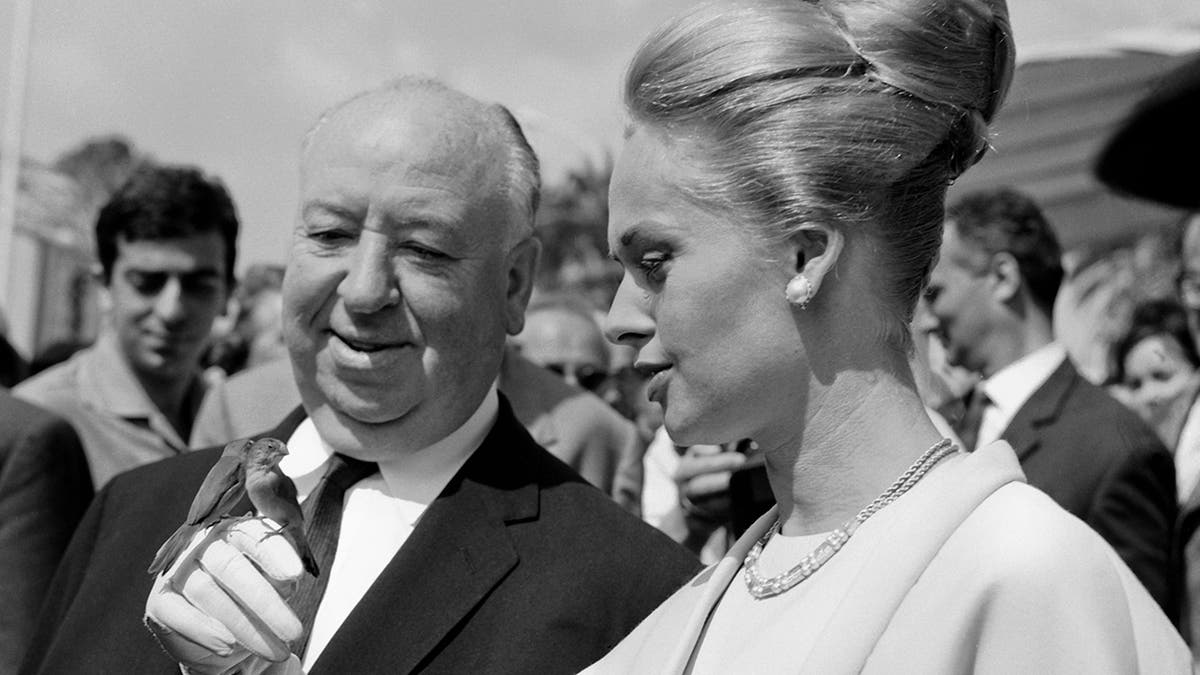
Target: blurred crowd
{"type": "Point", "coordinates": [190, 355]}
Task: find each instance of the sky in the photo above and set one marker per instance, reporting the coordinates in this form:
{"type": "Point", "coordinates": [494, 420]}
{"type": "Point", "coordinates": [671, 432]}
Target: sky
{"type": "Point", "coordinates": [231, 85]}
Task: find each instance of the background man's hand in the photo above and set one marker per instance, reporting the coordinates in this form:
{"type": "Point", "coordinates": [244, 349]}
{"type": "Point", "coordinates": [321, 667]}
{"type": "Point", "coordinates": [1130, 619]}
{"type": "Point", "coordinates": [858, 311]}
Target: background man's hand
{"type": "Point", "coordinates": [702, 478]}
{"type": "Point", "coordinates": [221, 607]}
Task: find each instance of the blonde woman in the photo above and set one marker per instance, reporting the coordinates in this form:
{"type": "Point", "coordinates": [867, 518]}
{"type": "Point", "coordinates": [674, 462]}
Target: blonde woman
{"type": "Point", "coordinates": [777, 208]}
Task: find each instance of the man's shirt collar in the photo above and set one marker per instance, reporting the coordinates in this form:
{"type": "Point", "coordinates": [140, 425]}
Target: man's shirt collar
{"type": "Point", "coordinates": [417, 477]}
{"type": "Point", "coordinates": [1010, 387]}
{"type": "Point", "coordinates": [107, 382]}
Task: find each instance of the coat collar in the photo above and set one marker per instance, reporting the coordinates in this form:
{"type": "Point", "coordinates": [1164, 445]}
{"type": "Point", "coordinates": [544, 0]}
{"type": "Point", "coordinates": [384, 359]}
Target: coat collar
{"type": "Point", "coordinates": [459, 552]}
{"type": "Point", "coordinates": [1045, 406]}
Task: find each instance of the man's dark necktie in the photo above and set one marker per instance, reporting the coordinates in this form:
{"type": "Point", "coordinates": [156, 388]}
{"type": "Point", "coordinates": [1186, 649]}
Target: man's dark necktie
{"type": "Point", "coordinates": [972, 419]}
{"type": "Point", "coordinates": [323, 524]}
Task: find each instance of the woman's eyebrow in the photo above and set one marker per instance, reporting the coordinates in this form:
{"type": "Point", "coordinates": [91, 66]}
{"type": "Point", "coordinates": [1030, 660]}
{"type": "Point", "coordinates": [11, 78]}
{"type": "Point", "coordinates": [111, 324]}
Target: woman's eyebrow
{"type": "Point", "coordinates": [628, 238]}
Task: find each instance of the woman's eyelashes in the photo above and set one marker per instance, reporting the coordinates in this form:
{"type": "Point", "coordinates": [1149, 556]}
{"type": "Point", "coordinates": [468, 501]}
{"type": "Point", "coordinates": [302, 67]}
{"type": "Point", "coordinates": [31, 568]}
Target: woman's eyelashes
{"type": "Point", "coordinates": [652, 266]}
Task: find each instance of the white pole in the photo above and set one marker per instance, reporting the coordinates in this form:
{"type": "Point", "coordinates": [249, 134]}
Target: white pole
{"type": "Point", "coordinates": [10, 145]}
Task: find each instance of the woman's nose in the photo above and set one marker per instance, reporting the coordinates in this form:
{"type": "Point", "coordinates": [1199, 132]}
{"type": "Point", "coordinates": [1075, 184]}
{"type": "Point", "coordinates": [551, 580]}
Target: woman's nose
{"type": "Point", "coordinates": [629, 321]}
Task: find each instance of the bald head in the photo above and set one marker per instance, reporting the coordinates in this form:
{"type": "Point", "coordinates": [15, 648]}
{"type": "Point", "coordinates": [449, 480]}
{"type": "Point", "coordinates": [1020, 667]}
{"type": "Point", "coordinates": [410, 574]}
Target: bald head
{"type": "Point", "coordinates": [459, 132]}
{"type": "Point", "coordinates": [410, 264]}
{"type": "Point", "coordinates": [567, 341]}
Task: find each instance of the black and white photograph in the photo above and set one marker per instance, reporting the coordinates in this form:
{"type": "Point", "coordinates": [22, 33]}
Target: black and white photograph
{"type": "Point", "coordinates": [663, 337]}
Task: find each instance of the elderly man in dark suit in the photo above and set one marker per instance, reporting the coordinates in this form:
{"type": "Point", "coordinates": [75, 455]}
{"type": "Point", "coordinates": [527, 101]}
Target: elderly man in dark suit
{"type": "Point", "coordinates": [45, 487]}
{"type": "Point", "coordinates": [991, 293]}
{"type": "Point", "coordinates": [466, 547]}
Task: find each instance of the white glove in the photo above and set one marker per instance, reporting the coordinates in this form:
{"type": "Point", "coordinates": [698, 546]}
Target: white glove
{"type": "Point", "coordinates": [221, 608]}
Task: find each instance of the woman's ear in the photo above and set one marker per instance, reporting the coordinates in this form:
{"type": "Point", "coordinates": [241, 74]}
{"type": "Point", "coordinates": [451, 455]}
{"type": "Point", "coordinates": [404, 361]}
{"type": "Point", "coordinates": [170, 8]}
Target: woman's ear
{"type": "Point", "coordinates": [815, 250]}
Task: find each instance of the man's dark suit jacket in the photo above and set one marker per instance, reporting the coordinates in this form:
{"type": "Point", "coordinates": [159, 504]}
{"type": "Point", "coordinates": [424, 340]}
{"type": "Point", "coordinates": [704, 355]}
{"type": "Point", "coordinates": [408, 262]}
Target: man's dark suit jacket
{"type": "Point", "coordinates": [45, 487]}
{"type": "Point", "coordinates": [1101, 462]}
{"type": "Point", "coordinates": [519, 566]}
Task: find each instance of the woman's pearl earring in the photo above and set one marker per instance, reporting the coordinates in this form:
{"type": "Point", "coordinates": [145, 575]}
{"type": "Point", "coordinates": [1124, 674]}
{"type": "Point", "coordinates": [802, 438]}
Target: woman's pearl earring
{"type": "Point", "coordinates": [799, 291]}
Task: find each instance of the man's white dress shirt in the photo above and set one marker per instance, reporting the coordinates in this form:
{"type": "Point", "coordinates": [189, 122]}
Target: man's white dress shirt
{"type": "Point", "coordinates": [1010, 387]}
{"type": "Point", "coordinates": [380, 511]}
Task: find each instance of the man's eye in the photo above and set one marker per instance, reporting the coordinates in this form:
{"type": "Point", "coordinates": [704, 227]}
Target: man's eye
{"type": "Point", "coordinates": [146, 283]}
{"type": "Point", "coordinates": [329, 236]}
{"type": "Point", "coordinates": [426, 253]}
{"type": "Point", "coordinates": [201, 286]}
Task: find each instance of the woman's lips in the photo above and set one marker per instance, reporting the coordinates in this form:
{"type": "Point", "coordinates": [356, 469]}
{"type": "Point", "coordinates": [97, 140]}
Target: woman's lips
{"type": "Point", "coordinates": [656, 383]}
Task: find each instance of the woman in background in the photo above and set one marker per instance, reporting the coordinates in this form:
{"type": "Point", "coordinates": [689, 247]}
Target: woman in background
{"type": "Point", "coordinates": [777, 208]}
{"type": "Point", "coordinates": [1153, 368]}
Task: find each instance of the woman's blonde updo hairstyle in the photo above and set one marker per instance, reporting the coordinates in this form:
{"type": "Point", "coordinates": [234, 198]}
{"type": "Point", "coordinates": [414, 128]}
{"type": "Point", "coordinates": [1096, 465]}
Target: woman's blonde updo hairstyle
{"type": "Point", "coordinates": [855, 113]}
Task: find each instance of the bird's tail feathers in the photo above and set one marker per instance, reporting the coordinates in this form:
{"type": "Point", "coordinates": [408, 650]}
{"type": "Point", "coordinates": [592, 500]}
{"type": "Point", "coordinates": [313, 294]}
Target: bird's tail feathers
{"type": "Point", "coordinates": [171, 549]}
{"type": "Point", "coordinates": [306, 555]}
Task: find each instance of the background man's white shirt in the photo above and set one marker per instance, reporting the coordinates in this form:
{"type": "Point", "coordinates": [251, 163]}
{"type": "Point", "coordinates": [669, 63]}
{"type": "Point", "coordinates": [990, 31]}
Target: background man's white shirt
{"type": "Point", "coordinates": [1010, 387]}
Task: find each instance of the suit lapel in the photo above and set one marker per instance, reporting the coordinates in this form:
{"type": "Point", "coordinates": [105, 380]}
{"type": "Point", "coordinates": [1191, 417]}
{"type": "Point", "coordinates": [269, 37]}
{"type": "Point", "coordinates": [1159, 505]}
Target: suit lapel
{"type": "Point", "coordinates": [459, 551]}
{"type": "Point", "coordinates": [1024, 431]}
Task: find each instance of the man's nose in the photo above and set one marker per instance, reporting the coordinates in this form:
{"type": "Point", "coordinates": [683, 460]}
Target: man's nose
{"type": "Point", "coordinates": [371, 283]}
{"type": "Point", "coordinates": [628, 321]}
{"type": "Point", "coordinates": [169, 304]}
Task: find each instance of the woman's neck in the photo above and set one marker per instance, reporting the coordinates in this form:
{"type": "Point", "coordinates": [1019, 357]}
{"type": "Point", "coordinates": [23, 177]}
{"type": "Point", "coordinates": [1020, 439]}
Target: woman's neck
{"type": "Point", "coordinates": [857, 436]}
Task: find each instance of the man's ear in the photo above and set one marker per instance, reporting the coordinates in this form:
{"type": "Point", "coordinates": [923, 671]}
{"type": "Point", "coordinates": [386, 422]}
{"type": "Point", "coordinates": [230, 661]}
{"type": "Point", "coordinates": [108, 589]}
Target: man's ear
{"type": "Point", "coordinates": [103, 294]}
{"type": "Point", "coordinates": [814, 254]}
{"type": "Point", "coordinates": [1005, 276]}
{"type": "Point", "coordinates": [522, 267]}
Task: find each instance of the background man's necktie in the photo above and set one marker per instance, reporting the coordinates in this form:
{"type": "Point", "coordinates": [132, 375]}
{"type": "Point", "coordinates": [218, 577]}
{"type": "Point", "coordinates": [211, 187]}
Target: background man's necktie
{"type": "Point", "coordinates": [972, 419]}
{"type": "Point", "coordinates": [323, 524]}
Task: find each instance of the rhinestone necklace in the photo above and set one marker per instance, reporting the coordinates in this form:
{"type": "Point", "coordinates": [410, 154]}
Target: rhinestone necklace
{"type": "Point", "coordinates": [765, 588]}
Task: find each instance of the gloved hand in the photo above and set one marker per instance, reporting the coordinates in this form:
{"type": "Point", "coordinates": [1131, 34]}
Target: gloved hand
{"type": "Point", "coordinates": [192, 610]}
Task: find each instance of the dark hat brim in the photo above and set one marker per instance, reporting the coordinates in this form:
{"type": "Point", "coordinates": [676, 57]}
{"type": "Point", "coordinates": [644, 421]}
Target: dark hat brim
{"type": "Point", "coordinates": [1155, 153]}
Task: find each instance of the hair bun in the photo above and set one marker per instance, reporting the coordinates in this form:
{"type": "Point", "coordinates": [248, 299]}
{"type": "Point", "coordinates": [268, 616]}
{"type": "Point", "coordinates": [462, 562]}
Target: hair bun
{"type": "Point", "coordinates": [956, 53]}
{"type": "Point", "coordinates": [967, 141]}
{"type": "Point", "coordinates": [953, 52]}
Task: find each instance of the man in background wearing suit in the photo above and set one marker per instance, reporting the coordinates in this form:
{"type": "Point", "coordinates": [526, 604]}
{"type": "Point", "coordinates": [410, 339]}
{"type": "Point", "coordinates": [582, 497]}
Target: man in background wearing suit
{"type": "Point", "coordinates": [992, 294]}
{"type": "Point", "coordinates": [467, 547]}
{"type": "Point", "coordinates": [44, 489]}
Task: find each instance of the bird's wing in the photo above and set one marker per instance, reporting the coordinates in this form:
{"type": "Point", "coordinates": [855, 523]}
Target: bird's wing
{"type": "Point", "coordinates": [222, 486]}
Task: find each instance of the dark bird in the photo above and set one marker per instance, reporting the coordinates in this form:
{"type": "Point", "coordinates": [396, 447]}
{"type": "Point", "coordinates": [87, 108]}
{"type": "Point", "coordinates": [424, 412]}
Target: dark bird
{"type": "Point", "coordinates": [274, 496]}
{"type": "Point", "coordinates": [245, 466]}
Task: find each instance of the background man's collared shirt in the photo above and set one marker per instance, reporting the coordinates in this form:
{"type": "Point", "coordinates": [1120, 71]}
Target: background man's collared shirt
{"type": "Point", "coordinates": [380, 511]}
{"type": "Point", "coordinates": [1187, 455]}
{"type": "Point", "coordinates": [1010, 387]}
{"type": "Point", "coordinates": [97, 392]}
